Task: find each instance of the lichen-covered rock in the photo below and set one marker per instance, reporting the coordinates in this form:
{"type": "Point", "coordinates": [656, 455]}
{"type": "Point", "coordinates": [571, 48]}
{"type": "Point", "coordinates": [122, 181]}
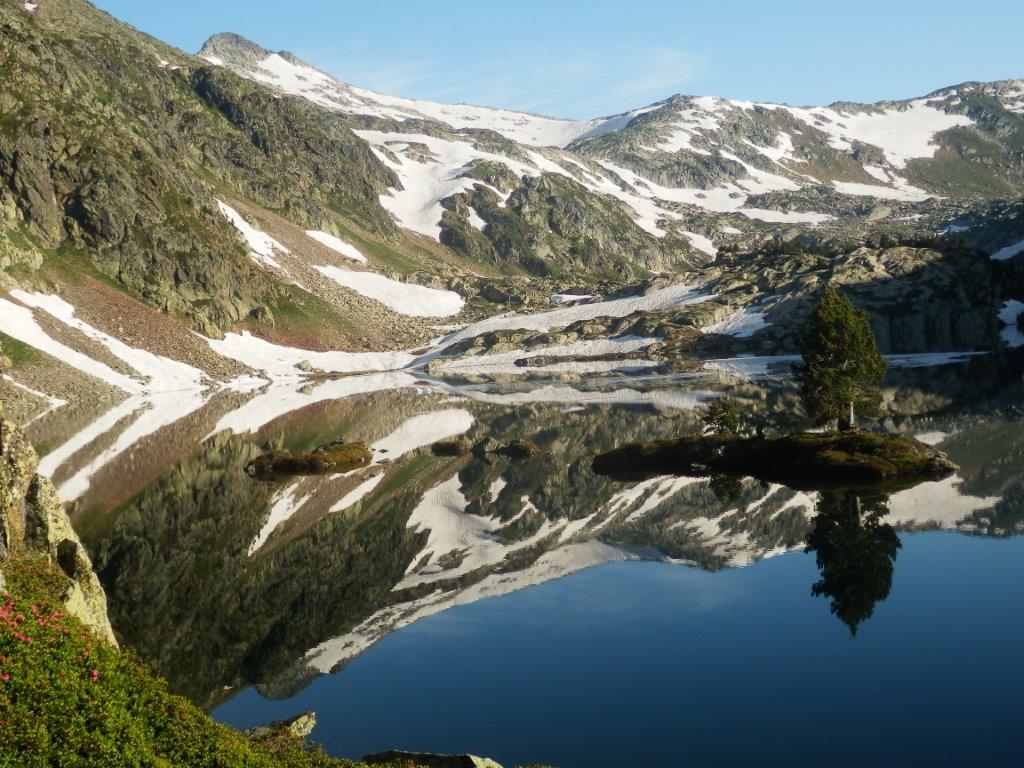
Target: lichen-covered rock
{"type": "Point", "coordinates": [48, 530]}
{"type": "Point", "coordinates": [298, 727]}
{"type": "Point", "coordinates": [32, 519]}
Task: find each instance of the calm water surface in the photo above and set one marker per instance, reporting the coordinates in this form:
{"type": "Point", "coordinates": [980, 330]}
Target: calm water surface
{"type": "Point", "coordinates": [534, 612]}
{"type": "Point", "coordinates": [656, 664]}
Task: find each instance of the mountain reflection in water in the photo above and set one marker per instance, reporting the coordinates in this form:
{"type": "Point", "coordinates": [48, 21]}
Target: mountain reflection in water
{"type": "Point", "coordinates": [222, 582]}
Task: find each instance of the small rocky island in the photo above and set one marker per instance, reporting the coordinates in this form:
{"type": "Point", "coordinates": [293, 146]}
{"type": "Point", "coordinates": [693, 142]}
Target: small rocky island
{"type": "Point", "coordinates": [802, 460]}
{"type": "Point", "coordinates": [338, 456]}
{"type": "Point", "coordinates": [838, 380]}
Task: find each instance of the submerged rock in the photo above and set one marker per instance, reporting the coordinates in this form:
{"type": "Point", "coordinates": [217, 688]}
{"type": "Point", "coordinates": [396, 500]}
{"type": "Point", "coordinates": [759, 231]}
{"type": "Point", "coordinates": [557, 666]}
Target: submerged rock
{"type": "Point", "coordinates": [427, 760]}
{"type": "Point", "coordinates": [338, 456]}
{"type": "Point", "coordinates": [518, 450]}
{"type": "Point", "coordinates": [802, 460]}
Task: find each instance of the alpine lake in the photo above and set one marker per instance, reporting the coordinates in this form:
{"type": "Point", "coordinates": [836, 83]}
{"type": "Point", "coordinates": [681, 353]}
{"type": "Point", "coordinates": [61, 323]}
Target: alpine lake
{"type": "Point", "coordinates": [527, 609]}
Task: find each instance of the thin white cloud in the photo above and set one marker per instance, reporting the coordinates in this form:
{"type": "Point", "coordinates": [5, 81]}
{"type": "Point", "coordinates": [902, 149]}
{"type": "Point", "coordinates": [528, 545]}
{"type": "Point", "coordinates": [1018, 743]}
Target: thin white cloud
{"type": "Point", "coordinates": [577, 84]}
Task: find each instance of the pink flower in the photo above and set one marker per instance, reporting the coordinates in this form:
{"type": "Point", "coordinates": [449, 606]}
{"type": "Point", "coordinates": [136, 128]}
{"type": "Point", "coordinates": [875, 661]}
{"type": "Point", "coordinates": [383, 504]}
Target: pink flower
{"type": "Point", "coordinates": [4, 676]}
{"type": "Point", "coordinates": [94, 675]}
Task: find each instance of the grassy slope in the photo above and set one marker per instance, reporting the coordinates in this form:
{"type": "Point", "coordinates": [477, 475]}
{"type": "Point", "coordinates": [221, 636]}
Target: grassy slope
{"type": "Point", "coordinates": [68, 699]}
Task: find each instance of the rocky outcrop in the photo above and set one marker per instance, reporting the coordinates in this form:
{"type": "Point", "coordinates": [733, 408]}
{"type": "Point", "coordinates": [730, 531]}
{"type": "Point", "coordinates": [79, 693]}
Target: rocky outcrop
{"type": "Point", "coordinates": [552, 226]}
{"type": "Point", "coordinates": [923, 296]}
{"type": "Point", "coordinates": [427, 760]}
{"type": "Point", "coordinates": [32, 520]}
{"type": "Point", "coordinates": [108, 162]}
{"type": "Point", "coordinates": [298, 727]}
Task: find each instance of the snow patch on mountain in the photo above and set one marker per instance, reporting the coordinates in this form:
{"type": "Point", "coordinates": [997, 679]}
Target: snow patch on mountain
{"type": "Point", "coordinates": [281, 362]}
{"type": "Point", "coordinates": [404, 298]}
{"type": "Point", "coordinates": [301, 79]}
{"type": "Point", "coordinates": [430, 170]}
{"type": "Point", "coordinates": [1010, 316]}
{"type": "Point", "coordinates": [261, 245]}
{"type": "Point", "coordinates": [742, 324]}
{"type": "Point", "coordinates": [338, 245]}
{"type": "Point", "coordinates": [284, 506]}
{"type": "Point", "coordinates": [1008, 252]}
{"type": "Point", "coordinates": [903, 132]}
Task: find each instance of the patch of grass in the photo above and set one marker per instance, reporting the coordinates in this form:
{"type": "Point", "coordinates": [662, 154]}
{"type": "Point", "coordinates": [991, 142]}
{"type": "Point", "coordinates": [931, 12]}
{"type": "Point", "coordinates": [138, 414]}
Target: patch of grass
{"type": "Point", "coordinates": [71, 265]}
{"type": "Point", "coordinates": [300, 312]}
{"type": "Point", "coordinates": [378, 250]}
{"type": "Point", "coordinates": [69, 699]}
{"type": "Point", "coordinates": [18, 239]}
{"type": "Point", "coordinates": [18, 352]}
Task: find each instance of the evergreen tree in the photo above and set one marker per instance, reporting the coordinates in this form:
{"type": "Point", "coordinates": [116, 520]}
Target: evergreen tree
{"type": "Point", "coordinates": [721, 418]}
{"type": "Point", "coordinates": [842, 365]}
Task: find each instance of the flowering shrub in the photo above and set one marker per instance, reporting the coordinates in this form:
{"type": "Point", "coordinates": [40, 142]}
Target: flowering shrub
{"type": "Point", "coordinates": [68, 699]}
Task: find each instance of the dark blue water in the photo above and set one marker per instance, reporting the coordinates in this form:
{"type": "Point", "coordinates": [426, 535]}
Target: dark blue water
{"type": "Point", "coordinates": [640, 664]}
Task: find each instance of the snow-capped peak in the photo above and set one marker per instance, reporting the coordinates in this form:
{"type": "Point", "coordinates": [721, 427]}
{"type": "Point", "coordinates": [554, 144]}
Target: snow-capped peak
{"type": "Point", "coordinates": [290, 74]}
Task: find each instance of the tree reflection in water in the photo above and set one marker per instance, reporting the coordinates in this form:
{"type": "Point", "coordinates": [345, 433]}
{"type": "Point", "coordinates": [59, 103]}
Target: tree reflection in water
{"type": "Point", "coordinates": [855, 552]}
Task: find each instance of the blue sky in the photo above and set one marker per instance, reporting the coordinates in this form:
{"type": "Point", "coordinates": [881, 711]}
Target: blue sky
{"type": "Point", "coordinates": [585, 58]}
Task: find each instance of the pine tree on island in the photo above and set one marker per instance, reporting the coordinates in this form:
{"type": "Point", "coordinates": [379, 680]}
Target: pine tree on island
{"type": "Point", "coordinates": [842, 366]}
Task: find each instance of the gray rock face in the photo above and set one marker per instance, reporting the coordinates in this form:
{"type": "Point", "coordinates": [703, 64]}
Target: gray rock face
{"type": "Point", "coordinates": [938, 297]}
{"type": "Point", "coordinates": [32, 519]}
{"type": "Point", "coordinates": [428, 760]}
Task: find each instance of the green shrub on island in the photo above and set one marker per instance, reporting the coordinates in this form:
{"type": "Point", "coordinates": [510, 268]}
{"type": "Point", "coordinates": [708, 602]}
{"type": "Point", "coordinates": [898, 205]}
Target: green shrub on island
{"type": "Point", "coordinates": [802, 460]}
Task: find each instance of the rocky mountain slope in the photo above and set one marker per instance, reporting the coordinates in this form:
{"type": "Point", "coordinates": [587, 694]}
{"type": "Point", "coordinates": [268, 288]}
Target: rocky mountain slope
{"type": "Point", "coordinates": [696, 167]}
{"type": "Point", "coordinates": [245, 191]}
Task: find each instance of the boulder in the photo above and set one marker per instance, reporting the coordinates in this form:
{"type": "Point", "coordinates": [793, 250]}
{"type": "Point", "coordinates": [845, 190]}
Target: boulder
{"type": "Point", "coordinates": [459, 446]}
{"type": "Point", "coordinates": [298, 727]}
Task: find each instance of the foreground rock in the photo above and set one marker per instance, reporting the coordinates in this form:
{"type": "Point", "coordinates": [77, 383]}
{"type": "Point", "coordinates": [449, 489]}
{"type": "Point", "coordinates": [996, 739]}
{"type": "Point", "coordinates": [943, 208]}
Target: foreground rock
{"type": "Point", "coordinates": [803, 460]}
{"type": "Point", "coordinates": [32, 520]}
{"type": "Point", "coordinates": [334, 457]}
{"type": "Point", "coordinates": [427, 760]}
{"type": "Point", "coordinates": [298, 727]}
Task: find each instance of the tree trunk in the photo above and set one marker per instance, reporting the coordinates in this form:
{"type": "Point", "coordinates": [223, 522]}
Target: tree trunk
{"type": "Point", "coordinates": [847, 421]}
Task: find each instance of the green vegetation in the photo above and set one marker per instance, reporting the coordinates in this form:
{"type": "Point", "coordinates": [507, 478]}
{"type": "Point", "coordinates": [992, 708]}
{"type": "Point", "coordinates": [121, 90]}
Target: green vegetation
{"type": "Point", "coordinates": [842, 364]}
{"type": "Point", "coordinates": [722, 418]}
{"type": "Point", "coordinates": [17, 352]}
{"type": "Point", "coordinates": [68, 699]}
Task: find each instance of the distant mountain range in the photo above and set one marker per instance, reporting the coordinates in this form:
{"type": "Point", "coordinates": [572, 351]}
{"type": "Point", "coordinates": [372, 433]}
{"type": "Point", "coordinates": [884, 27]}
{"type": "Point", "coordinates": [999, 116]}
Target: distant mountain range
{"type": "Point", "coordinates": [673, 161]}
